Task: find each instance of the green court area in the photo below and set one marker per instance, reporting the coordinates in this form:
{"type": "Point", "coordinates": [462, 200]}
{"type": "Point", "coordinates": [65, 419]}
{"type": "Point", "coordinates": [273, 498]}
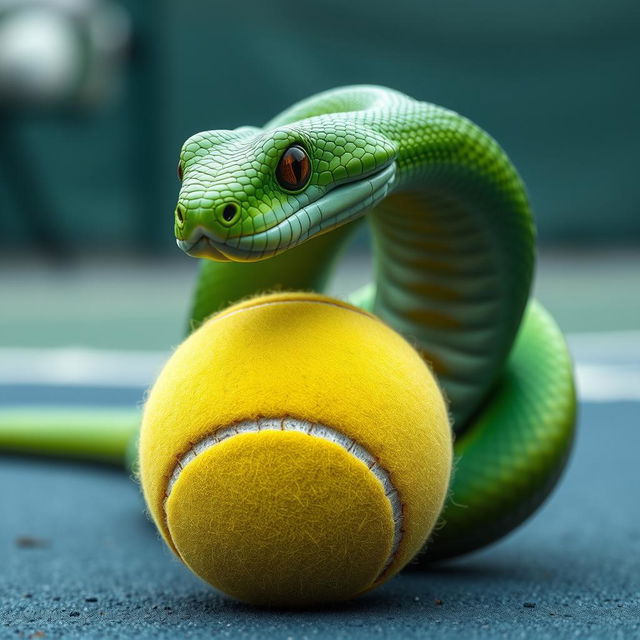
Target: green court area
{"type": "Point", "coordinates": [115, 303]}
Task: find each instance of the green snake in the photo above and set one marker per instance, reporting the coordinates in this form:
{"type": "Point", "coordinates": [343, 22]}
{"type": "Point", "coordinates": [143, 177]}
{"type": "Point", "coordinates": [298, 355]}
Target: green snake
{"type": "Point", "coordinates": [453, 247]}
{"type": "Point", "coordinates": [453, 250]}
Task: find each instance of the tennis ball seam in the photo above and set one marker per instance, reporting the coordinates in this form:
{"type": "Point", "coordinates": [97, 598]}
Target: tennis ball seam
{"type": "Point", "coordinates": [316, 430]}
{"type": "Point", "coordinates": [309, 298]}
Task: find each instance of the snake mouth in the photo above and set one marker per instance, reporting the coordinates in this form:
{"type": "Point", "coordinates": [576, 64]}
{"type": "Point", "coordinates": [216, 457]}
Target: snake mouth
{"type": "Point", "coordinates": [337, 207]}
{"type": "Point", "coordinates": [204, 247]}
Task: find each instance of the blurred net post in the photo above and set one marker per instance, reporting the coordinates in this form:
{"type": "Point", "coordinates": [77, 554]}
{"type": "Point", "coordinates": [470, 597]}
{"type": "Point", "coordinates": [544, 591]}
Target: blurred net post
{"type": "Point", "coordinates": [67, 69]}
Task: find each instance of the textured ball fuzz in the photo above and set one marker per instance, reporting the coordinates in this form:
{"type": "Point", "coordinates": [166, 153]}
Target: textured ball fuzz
{"type": "Point", "coordinates": [295, 450]}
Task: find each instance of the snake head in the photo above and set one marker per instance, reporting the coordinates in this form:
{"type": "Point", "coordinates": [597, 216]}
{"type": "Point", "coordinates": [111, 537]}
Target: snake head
{"type": "Point", "coordinates": [250, 194]}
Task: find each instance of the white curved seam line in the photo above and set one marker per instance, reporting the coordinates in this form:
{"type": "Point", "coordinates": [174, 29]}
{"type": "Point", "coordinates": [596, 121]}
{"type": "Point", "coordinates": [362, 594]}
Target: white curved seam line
{"type": "Point", "coordinates": [317, 431]}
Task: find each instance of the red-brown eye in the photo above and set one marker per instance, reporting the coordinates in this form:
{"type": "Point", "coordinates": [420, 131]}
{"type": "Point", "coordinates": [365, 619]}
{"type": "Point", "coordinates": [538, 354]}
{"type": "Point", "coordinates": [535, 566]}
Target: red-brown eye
{"type": "Point", "coordinates": [294, 168]}
{"type": "Point", "coordinates": [180, 174]}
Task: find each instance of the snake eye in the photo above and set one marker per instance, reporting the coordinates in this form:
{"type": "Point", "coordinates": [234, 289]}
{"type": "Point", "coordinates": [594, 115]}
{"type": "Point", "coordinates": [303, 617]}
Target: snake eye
{"type": "Point", "coordinates": [180, 173]}
{"type": "Point", "coordinates": [294, 169]}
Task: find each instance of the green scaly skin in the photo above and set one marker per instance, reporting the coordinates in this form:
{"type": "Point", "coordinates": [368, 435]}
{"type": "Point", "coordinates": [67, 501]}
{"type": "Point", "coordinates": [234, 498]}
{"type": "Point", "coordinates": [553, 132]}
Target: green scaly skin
{"type": "Point", "coordinates": [453, 253]}
{"type": "Point", "coordinates": [453, 256]}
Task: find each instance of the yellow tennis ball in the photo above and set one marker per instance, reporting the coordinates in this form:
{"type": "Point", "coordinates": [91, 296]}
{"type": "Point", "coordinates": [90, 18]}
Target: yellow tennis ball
{"type": "Point", "coordinates": [295, 450]}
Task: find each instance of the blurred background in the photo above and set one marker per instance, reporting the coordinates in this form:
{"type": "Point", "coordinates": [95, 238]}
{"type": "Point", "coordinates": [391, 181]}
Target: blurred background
{"type": "Point", "coordinates": [97, 96]}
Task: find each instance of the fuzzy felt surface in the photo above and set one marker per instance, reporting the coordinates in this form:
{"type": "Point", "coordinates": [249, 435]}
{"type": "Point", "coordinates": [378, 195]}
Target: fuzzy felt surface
{"type": "Point", "coordinates": [281, 518]}
{"type": "Point", "coordinates": [311, 358]}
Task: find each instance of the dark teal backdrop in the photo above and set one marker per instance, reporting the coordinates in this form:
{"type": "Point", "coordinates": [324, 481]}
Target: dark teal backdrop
{"type": "Point", "coordinates": [556, 82]}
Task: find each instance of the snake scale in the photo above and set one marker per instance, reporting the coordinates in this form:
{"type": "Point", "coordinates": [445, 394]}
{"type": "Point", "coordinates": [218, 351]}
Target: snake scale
{"type": "Point", "coordinates": [453, 251]}
{"type": "Point", "coordinates": [453, 254]}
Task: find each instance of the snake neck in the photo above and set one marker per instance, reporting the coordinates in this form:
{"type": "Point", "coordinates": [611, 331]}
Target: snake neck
{"type": "Point", "coordinates": [454, 250]}
{"type": "Point", "coordinates": [453, 243]}
{"type": "Point", "coordinates": [447, 283]}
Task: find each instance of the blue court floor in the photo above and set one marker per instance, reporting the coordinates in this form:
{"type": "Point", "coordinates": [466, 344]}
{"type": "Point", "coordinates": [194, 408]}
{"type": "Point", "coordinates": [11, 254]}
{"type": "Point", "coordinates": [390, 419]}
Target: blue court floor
{"type": "Point", "coordinates": [80, 560]}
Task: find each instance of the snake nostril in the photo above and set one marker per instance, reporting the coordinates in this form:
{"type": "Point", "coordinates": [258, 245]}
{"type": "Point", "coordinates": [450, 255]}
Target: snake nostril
{"type": "Point", "coordinates": [230, 212]}
{"type": "Point", "coordinates": [180, 213]}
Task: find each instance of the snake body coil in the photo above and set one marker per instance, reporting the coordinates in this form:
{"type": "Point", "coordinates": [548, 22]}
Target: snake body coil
{"type": "Point", "coordinates": [454, 246]}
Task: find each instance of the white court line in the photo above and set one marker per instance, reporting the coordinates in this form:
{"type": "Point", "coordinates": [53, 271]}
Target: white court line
{"type": "Point", "coordinates": [608, 383]}
{"type": "Point", "coordinates": [607, 366]}
{"type": "Point", "coordinates": [80, 366]}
